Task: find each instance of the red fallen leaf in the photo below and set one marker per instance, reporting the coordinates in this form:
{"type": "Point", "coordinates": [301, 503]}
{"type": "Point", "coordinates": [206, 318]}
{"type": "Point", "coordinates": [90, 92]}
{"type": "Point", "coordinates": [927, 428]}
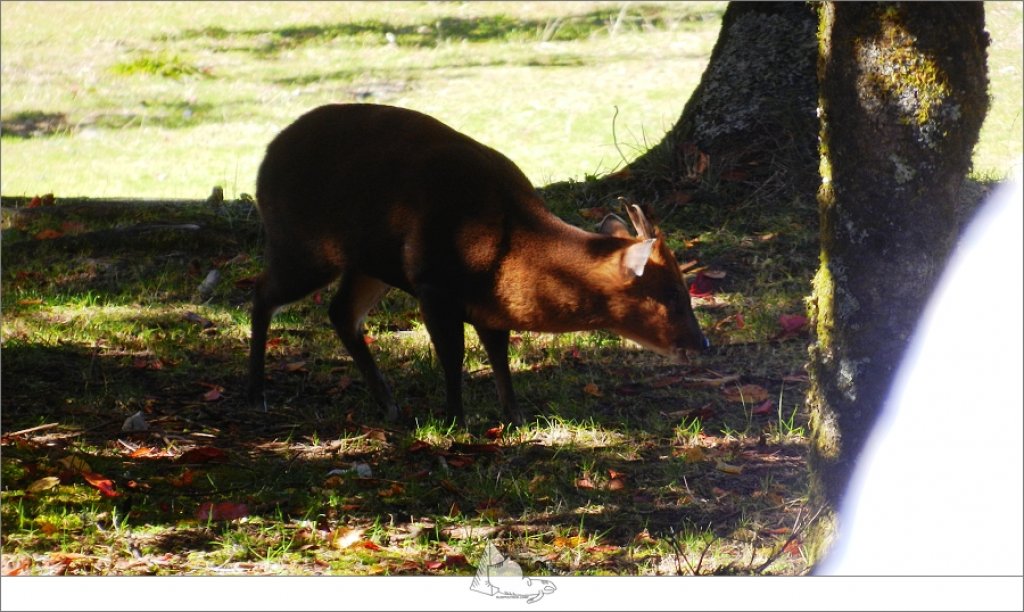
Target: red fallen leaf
{"type": "Point", "coordinates": [584, 483]}
{"type": "Point", "coordinates": [460, 460]}
{"type": "Point", "coordinates": [408, 566]}
{"type": "Point", "coordinates": [434, 565]}
{"type": "Point", "coordinates": [212, 395]}
{"type": "Point", "coordinates": [368, 339]}
{"type": "Point", "coordinates": [702, 286]}
{"type": "Point", "coordinates": [221, 511]}
{"type": "Point", "coordinates": [615, 474]}
{"type": "Point", "coordinates": [318, 298]}
{"type": "Point", "coordinates": [48, 234]}
{"type": "Point", "coordinates": [734, 320]}
{"type": "Point", "coordinates": [793, 549]}
{"type": "Point", "coordinates": [141, 362]}
{"type": "Point", "coordinates": [186, 478]}
{"type": "Point", "coordinates": [274, 342]}
{"type": "Point", "coordinates": [495, 432]}
{"type": "Point", "coordinates": [369, 545]}
{"type": "Point", "coordinates": [396, 488]}
{"type": "Point", "coordinates": [764, 408]}
{"type": "Point", "coordinates": [792, 324]}
{"type": "Point", "coordinates": [15, 568]}
{"type": "Point", "coordinates": [105, 485]}
{"type": "Point", "coordinates": [372, 433]}
{"type": "Point", "coordinates": [203, 454]}
{"type": "Point", "coordinates": [616, 484]}
{"type": "Point", "coordinates": [143, 451]}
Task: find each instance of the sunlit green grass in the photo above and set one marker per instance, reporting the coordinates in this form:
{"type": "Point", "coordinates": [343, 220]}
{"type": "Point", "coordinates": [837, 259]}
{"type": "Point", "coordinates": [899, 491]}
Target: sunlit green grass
{"type": "Point", "coordinates": [166, 100]}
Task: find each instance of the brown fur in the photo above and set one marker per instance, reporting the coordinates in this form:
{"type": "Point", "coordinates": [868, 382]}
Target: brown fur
{"type": "Point", "coordinates": [386, 197]}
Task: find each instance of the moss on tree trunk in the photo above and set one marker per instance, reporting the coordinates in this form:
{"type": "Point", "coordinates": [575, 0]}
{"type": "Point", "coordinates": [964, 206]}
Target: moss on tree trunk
{"type": "Point", "coordinates": [903, 93]}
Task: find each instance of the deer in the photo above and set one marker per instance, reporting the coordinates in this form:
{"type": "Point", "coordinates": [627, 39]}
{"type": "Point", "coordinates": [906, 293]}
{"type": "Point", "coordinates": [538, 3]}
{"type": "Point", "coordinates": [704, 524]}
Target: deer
{"type": "Point", "coordinates": [380, 197]}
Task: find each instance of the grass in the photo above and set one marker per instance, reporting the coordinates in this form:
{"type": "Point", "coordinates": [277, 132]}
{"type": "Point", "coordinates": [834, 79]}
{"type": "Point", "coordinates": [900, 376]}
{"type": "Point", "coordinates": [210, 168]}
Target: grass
{"type": "Point", "coordinates": [627, 466]}
{"type": "Point", "coordinates": [179, 98]}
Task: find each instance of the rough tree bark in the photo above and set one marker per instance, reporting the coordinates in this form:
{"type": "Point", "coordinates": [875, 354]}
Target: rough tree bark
{"type": "Point", "coordinates": [751, 122]}
{"type": "Point", "coordinates": [903, 93]}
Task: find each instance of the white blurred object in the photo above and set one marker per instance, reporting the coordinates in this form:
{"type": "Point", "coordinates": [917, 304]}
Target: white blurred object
{"type": "Point", "coordinates": [939, 488]}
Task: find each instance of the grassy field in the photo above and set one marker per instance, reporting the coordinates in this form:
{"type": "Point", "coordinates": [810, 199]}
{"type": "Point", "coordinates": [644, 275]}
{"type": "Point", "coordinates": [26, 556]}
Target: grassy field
{"type": "Point", "coordinates": [629, 466]}
{"type": "Point", "coordinates": [166, 99]}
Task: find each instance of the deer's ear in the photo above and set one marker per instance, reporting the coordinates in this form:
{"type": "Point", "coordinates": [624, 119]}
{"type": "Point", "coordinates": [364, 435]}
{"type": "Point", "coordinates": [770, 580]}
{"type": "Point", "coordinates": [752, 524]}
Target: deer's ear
{"type": "Point", "coordinates": [613, 225]}
{"type": "Point", "coordinates": [635, 258]}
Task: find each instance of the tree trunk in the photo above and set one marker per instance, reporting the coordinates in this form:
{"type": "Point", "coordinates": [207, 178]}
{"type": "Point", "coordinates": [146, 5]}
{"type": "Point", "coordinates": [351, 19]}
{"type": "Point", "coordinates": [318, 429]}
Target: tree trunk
{"type": "Point", "coordinates": [903, 90]}
{"type": "Point", "coordinates": [750, 126]}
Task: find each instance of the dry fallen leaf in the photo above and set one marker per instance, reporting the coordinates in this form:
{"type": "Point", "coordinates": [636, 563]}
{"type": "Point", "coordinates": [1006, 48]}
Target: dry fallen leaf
{"type": "Point", "coordinates": [104, 485]}
{"type": "Point", "coordinates": [43, 484]}
{"type": "Point", "coordinates": [644, 537]}
{"type": "Point", "coordinates": [592, 389]}
{"type": "Point", "coordinates": [212, 395]}
{"type": "Point", "coordinates": [568, 541]}
{"type": "Point", "coordinates": [691, 454]}
{"type": "Point", "coordinates": [745, 393]}
{"type": "Point", "coordinates": [395, 489]}
{"type": "Point", "coordinates": [221, 511]}
{"type": "Point", "coordinates": [616, 484]}
{"type": "Point", "coordinates": [295, 366]}
{"type": "Point", "coordinates": [728, 468]}
{"type": "Point", "coordinates": [75, 464]}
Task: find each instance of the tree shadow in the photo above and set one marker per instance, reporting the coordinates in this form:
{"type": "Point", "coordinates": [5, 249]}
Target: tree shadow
{"type": "Point", "coordinates": [428, 34]}
{"type": "Point", "coordinates": [34, 124]}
